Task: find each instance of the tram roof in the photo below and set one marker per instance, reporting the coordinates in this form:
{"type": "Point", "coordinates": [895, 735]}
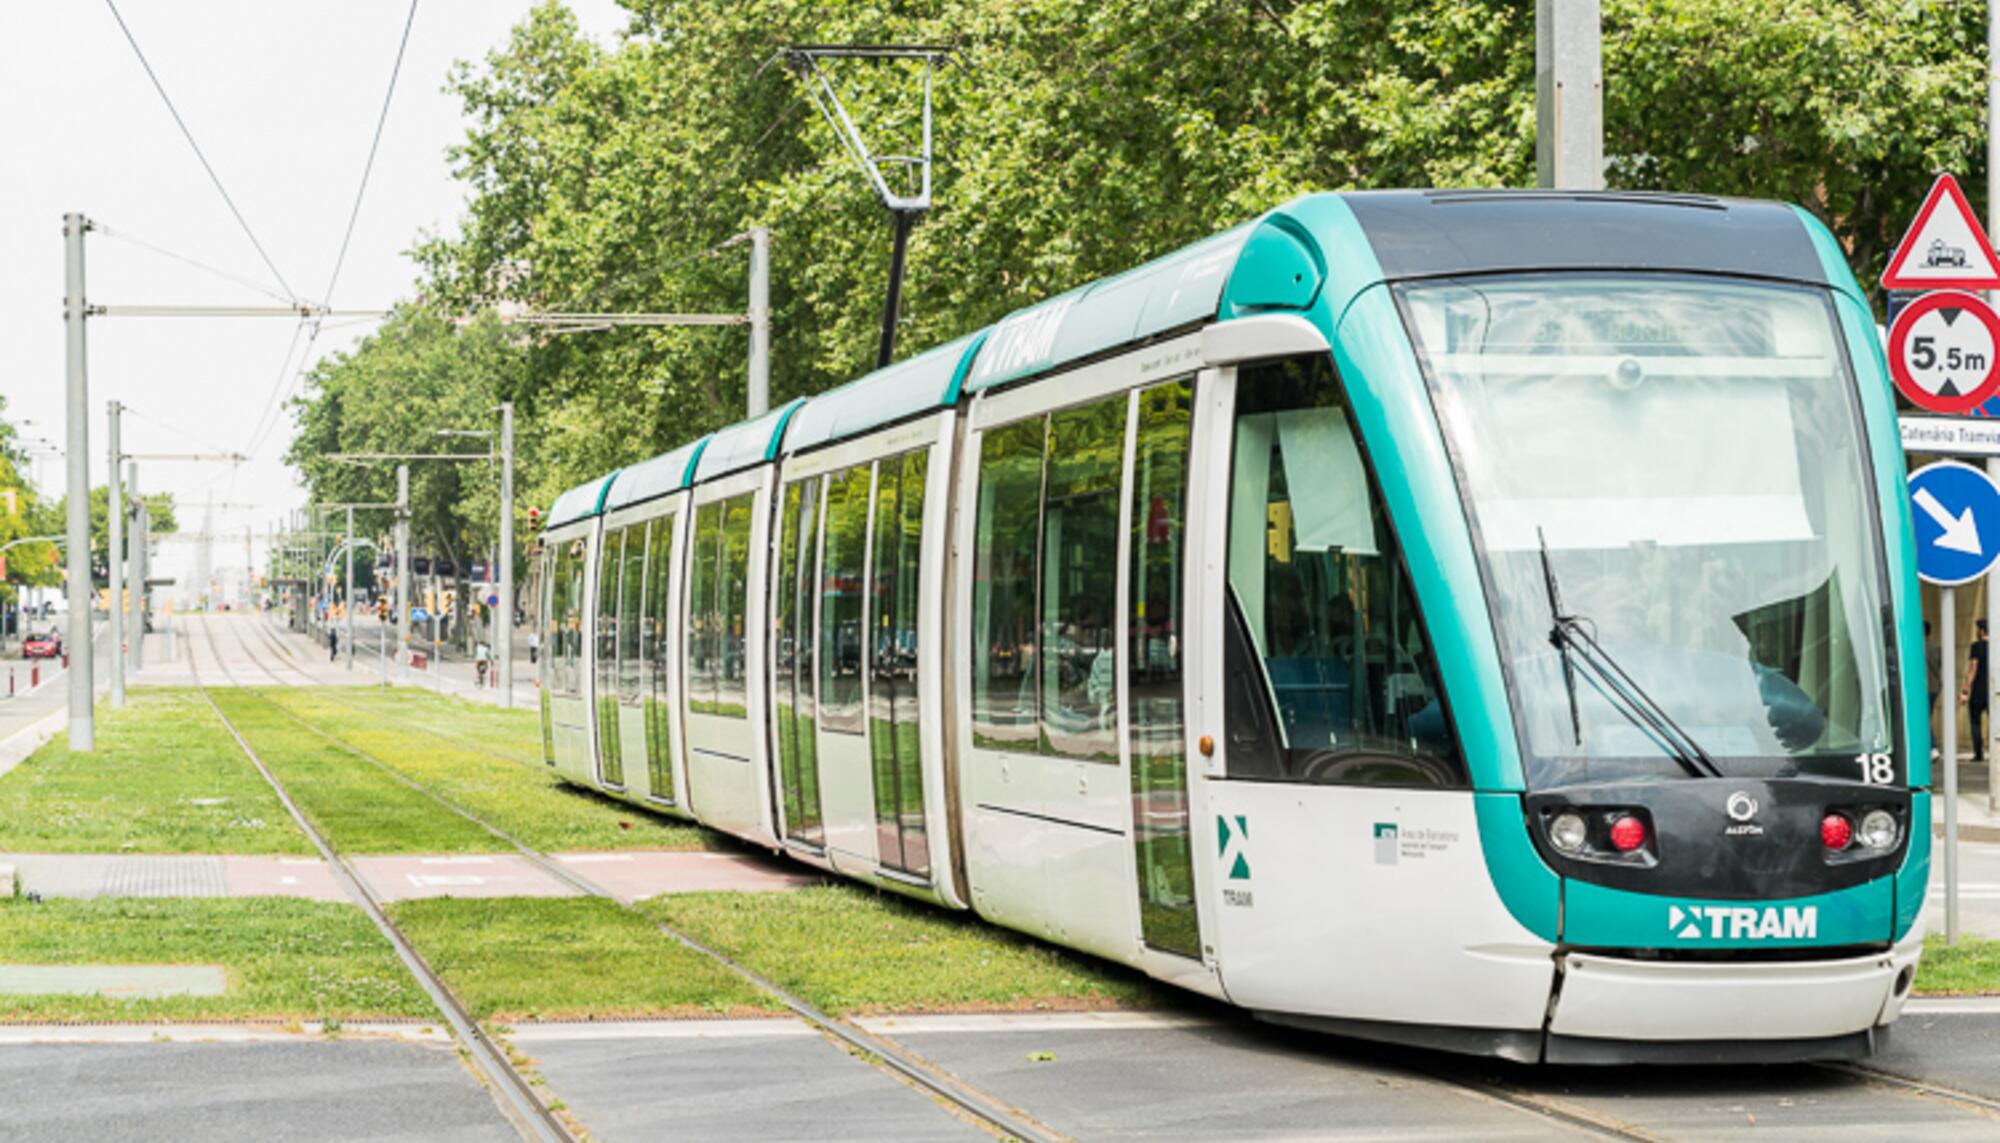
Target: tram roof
{"type": "Point", "coordinates": [745, 444]}
{"type": "Point", "coordinates": [930, 380]}
{"type": "Point", "coordinates": [580, 503]}
{"type": "Point", "coordinates": [649, 479]}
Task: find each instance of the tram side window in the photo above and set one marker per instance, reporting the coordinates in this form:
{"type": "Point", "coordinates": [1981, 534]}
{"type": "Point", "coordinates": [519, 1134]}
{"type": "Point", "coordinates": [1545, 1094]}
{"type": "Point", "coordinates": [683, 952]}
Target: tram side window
{"type": "Point", "coordinates": [1003, 585]}
{"type": "Point", "coordinates": [566, 620]}
{"type": "Point", "coordinates": [659, 711]}
{"type": "Point", "coordinates": [609, 748]}
{"type": "Point", "coordinates": [1080, 581]}
{"type": "Point", "coordinates": [841, 589]}
{"type": "Point", "coordinates": [631, 627]}
{"type": "Point", "coordinates": [704, 610]}
{"type": "Point", "coordinates": [894, 739]}
{"type": "Point", "coordinates": [733, 579]}
{"type": "Point", "coordinates": [792, 661]}
{"type": "Point", "coordinates": [1331, 675]}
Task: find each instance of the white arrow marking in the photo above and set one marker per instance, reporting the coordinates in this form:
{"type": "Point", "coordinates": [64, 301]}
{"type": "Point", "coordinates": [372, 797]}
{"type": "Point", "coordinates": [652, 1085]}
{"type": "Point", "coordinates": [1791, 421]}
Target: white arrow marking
{"type": "Point", "coordinates": [1960, 535]}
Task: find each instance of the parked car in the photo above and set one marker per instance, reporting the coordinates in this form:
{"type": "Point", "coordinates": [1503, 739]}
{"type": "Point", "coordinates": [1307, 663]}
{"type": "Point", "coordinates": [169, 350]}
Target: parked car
{"type": "Point", "coordinates": [42, 645]}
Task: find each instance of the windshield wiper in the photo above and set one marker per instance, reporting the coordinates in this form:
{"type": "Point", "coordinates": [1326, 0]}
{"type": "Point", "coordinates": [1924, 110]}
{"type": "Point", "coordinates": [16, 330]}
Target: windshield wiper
{"type": "Point", "coordinates": [1569, 636]}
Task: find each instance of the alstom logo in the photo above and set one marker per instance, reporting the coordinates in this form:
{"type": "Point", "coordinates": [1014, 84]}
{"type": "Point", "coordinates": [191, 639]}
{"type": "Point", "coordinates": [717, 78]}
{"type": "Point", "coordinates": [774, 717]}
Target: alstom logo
{"type": "Point", "coordinates": [1737, 922]}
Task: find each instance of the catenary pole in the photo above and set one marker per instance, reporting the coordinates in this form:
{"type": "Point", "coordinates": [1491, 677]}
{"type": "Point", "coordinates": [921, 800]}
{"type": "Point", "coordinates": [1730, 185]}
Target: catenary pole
{"type": "Point", "coordinates": [504, 614]}
{"type": "Point", "coordinates": [1992, 463]}
{"type": "Point", "coordinates": [403, 593]}
{"type": "Point", "coordinates": [82, 725]}
{"type": "Point", "coordinates": [114, 518]}
{"type": "Point", "coordinates": [760, 320]}
{"type": "Point", "coordinates": [347, 605]}
{"type": "Point", "coordinates": [135, 625]}
{"type": "Point", "coordinates": [1569, 95]}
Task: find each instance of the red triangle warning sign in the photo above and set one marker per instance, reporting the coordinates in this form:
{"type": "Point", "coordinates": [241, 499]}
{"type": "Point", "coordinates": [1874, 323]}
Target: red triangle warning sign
{"type": "Point", "coordinates": [1946, 247]}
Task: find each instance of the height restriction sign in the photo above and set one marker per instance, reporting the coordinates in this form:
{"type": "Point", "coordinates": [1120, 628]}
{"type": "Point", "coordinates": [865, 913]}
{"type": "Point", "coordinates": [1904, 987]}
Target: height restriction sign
{"type": "Point", "coordinates": [1944, 352]}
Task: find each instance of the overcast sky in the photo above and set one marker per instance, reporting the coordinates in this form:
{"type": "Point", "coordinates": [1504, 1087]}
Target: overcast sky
{"type": "Point", "coordinates": [283, 98]}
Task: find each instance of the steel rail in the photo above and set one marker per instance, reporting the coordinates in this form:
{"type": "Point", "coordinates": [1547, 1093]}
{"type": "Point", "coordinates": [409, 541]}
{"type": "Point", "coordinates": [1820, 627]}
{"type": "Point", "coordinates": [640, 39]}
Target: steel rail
{"type": "Point", "coordinates": [988, 1109]}
{"type": "Point", "coordinates": [516, 1097]}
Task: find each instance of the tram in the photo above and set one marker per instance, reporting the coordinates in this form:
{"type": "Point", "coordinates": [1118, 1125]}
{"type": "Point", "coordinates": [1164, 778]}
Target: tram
{"type": "Point", "coordinates": [1480, 620]}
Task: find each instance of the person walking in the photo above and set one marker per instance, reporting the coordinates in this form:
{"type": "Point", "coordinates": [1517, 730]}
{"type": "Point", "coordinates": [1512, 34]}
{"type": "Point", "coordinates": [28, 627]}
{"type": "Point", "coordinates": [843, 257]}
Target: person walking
{"type": "Point", "coordinates": [332, 643]}
{"type": "Point", "coordinates": [1974, 692]}
{"type": "Point", "coordinates": [534, 646]}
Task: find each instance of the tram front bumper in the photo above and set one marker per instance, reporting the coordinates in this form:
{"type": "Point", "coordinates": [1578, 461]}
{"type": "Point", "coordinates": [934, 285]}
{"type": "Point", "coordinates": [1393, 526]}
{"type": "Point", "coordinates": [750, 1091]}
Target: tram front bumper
{"type": "Point", "coordinates": [1616, 999]}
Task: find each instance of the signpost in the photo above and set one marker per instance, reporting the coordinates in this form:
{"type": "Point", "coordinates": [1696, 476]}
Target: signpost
{"type": "Point", "coordinates": [1956, 510]}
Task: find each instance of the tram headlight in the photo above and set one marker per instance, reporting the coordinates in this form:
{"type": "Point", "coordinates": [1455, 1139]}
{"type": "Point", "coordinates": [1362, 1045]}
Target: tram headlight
{"type": "Point", "coordinates": [1879, 829]}
{"type": "Point", "coordinates": [1568, 832]}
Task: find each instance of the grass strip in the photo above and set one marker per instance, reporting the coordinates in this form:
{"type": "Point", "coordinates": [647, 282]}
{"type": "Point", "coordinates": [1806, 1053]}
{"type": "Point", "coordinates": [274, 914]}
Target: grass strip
{"type": "Point", "coordinates": [853, 950]}
{"type": "Point", "coordinates": [530, 803]}
{"type": "Point", "coordinates": [165, 778]}
{"type": "Point", "coordinates": [358, 808]}
{"type": "Point", "coordinates": [541, 958]}
{"type": "Point", "coordinates": [1969, 968]}
{"type": "Point", "coordinates": [283, 959]}
{"type": "Point", "coordinates": [514, 734]}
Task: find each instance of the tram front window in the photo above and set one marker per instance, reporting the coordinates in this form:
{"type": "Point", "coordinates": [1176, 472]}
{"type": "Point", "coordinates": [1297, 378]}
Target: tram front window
{"type": "Point", "coordinates": [1687, 457]}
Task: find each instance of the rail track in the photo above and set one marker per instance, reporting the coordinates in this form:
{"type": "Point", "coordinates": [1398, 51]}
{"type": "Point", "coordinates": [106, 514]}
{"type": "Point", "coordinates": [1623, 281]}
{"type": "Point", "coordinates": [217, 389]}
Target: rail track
{"type": "Point", "coordinates": [982, 1107]}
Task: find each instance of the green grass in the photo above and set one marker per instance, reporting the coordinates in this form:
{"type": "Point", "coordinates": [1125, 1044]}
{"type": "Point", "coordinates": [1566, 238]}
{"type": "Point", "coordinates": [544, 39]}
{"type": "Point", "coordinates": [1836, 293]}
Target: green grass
{"type": "Point", "coordinates": [852, 950]}
{"type": "Point", "coordinates": [1969, 968]}
{"type": "Point", "coordinates": [526, 958]}
{"type": "Point", "coordinates": [283, 959]}
{"type": "Point", "coordinates": [165, 778]}
{"type": "Point", "coordinates": [528, 802]}
{"type": "Point", "coordinates": [514, 734]}
{"type": "Point", "coordinates": [359, 808]}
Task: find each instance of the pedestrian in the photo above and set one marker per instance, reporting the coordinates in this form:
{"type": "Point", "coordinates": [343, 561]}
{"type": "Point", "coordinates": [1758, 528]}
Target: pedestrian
{"type": "Point", "coordinates": [1934, 661]}
{"type": "Point", "coordinates": [332, 643]}
{"type": "Point", "coordinates": [534, 646]}
{"type": "Point", "coordinates": [482, 655]}
{"type": "Point", "coordinates": [1974, 693]}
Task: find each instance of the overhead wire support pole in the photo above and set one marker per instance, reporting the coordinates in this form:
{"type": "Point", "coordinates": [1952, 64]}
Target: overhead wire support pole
{"type": "Point", "coordinates": [82, 724]}
{"type": "Point", "coordinates": [114, 518]}
{"type": "Point", "coordinates": [505, 611]}
{"type": "Point", "coordinates": [135, 594]}
{"type": "Point", "coordinates": [347, 604]}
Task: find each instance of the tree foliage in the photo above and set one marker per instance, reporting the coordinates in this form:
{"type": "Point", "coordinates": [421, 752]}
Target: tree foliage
{"type": "Point", "coordinates": [1079, 139]}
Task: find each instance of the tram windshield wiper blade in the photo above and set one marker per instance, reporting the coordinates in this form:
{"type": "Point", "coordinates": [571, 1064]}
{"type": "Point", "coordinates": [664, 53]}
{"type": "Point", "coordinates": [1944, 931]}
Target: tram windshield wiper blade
{"type": "Point", "coordinates": [1569, 636]}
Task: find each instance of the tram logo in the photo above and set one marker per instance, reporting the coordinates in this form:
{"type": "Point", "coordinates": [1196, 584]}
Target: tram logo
{"type": "Point", "coordinates": [1741, 806]}
{"type": "Point", "coordinates": [1234, 843]}
{"type": "Point", "coordinates": [1739, 922]}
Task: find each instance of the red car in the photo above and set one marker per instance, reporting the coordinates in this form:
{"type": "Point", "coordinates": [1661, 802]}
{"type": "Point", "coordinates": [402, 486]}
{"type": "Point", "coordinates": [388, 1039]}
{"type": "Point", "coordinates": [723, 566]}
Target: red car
{"type": "Point", "coordinates": [47, 645]}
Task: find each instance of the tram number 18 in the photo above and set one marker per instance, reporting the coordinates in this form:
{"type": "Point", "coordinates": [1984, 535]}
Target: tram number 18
{"type": "Point", "coordinates": [1876, 769]}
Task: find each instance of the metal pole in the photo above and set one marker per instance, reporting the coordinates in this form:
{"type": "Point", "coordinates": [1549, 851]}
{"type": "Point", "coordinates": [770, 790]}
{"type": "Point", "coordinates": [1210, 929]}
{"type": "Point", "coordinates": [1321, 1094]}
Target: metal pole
{"type": "Point", "coordinates": [1992, 743]}
{"type": "Point", "coordinates": [136, 543]}
{"type": "Point", "coordinates": [114, 518]}
{"type": "Point", "coordinates": [892, 308]}
{"type": "Point", "coordinates": [437, 645]}
{"type": "Point", "coordinates": [760, 320]}
{"type": "Point", "coordinates": [1569, 95]}
{"type": "Point", "coordinates": [504, 614]}
{"type": "Point", "coordinates": [347, 605]}
{"type": "Point", "coordinates": [1948, 732]}
{"type": "Point", "coordinates": [82, 724]}
{"type": "Point", "coordinates": [403, 571]}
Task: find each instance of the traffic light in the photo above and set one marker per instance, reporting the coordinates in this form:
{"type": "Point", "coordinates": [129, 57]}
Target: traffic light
{"type": "Point", "coordinates": [534, 519]}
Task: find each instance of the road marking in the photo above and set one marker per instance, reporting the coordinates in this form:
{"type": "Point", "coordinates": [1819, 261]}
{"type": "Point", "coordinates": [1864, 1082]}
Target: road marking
{"type": "Point", "coordinates": [443, 881]}
{"type": "Point", "coordinates": [591, 858]}
{"type": "Point", "coordinates": [454, 860]}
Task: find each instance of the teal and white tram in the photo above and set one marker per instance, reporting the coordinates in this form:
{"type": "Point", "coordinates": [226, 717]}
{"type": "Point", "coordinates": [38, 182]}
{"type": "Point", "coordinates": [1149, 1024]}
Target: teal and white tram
{"type": "Point", "coordinates": [1475, 619]}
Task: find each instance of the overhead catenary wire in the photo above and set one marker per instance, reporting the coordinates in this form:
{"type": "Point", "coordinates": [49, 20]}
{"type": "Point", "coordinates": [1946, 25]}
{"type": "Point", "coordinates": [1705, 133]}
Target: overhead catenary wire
{"type": "Point", "coordinates": [374, 145]}
{"type": "Point", "coordinates": [247, 283]}
{"type": "Point", "coordinates": [198, 153]}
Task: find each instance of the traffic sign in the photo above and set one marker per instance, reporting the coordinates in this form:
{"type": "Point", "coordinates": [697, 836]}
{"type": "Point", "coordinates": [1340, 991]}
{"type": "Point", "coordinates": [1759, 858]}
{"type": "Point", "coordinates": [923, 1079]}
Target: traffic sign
{"type": "Point", "coordinates": [1945, 246]}
{"type": "Point", "coordinates": [1957, 512]}
{"type": "Point", "coordinates": [1944, 351]}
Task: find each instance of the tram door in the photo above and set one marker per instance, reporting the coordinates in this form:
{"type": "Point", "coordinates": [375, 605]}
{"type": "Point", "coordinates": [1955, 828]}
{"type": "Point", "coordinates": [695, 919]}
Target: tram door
{"type": "Point", "coordinates": [563, 652]}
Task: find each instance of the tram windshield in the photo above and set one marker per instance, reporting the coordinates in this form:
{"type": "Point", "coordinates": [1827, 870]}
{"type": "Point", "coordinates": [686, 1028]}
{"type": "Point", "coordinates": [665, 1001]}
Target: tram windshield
{"type": "Point", "coordinates": [1687, 457]}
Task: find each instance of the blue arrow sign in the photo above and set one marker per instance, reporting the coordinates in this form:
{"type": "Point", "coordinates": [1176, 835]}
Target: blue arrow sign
{"type": "Point", "coordinates": [1957, 512]}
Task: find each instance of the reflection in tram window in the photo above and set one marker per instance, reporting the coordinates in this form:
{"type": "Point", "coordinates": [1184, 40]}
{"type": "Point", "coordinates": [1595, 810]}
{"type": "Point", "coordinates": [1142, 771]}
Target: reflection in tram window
{"type": "Point", "coordinates": [610, 758]}
{"type": "Point", "coordinates": [1159, 762]}
{"type": "Point", "coordinates": [1331, 677]}
{"type": "Point", "coordinates": [1080, 581]}
{"type": "Point", "coordinates": [792, 669]}
{"type": "Point", "coordinates": [731, 697]}
{"type": "Point", "coordinates": [704, 619]}
{"type": "Point", "coordinates": [893, 738]}
{"type": "Point", "coordinates": [840, 600]}
{"type": "Point", "coordinates": [1003, 585]}
{"type": "Point", "coordinates": [659, 710]}
{"type": "Point", "coordinates": [565, 642]}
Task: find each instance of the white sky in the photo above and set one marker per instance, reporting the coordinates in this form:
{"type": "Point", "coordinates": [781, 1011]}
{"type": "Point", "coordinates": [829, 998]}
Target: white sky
{"type": "Point", "coordinates": [283, 98]}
